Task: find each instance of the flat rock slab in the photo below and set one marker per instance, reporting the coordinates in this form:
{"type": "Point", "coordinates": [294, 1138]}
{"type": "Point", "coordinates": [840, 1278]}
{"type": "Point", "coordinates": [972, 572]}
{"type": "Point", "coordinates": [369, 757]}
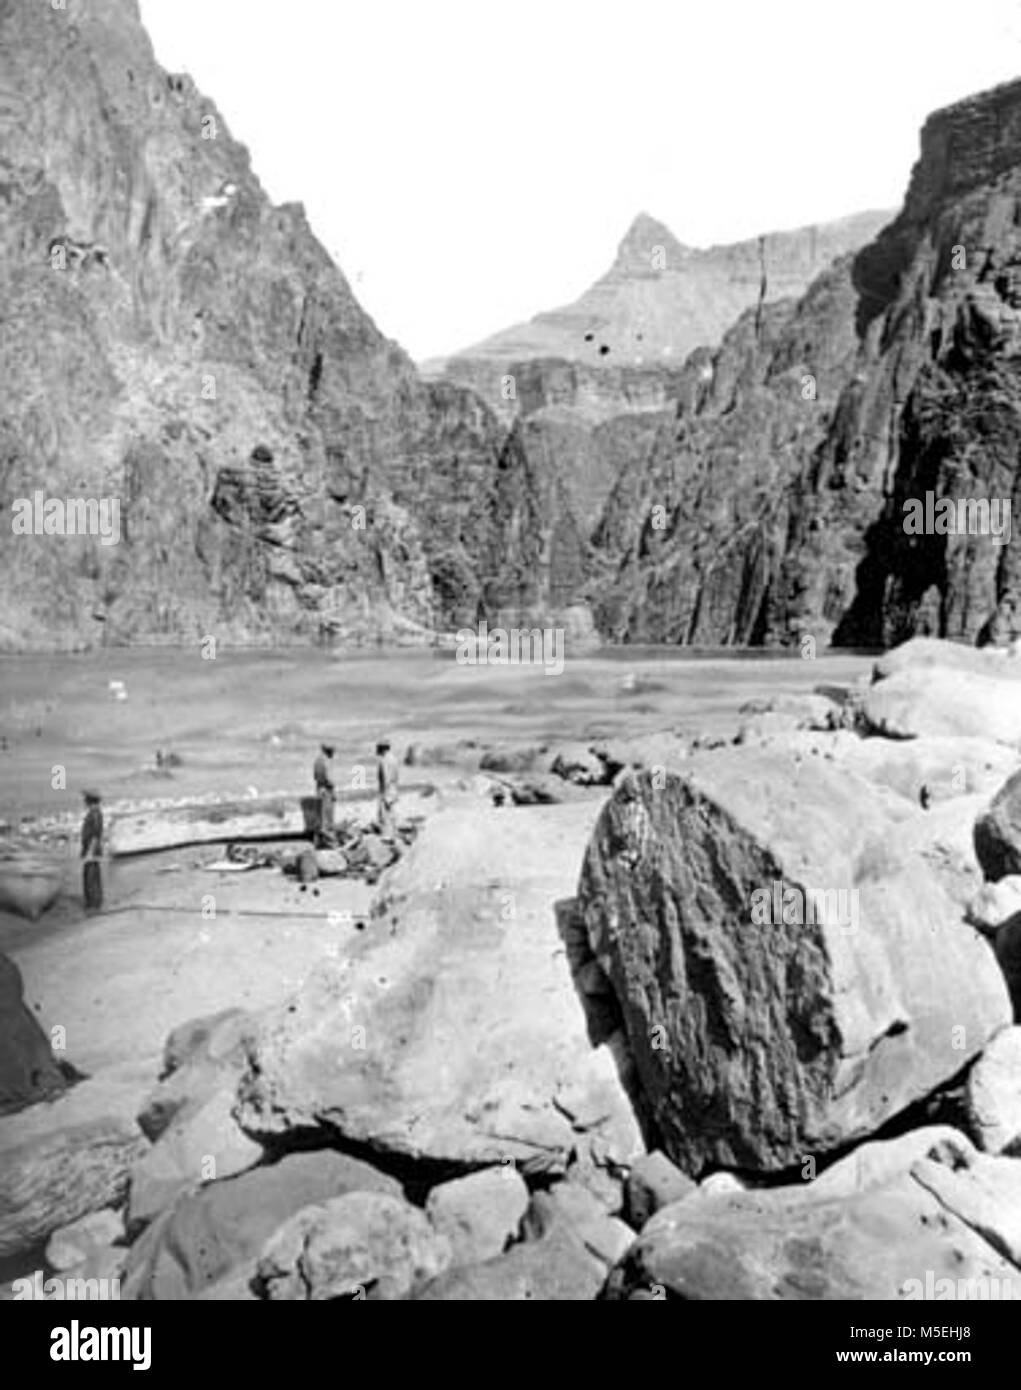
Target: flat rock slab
{"type": "Point", "coordinates": [765, 1027]}
{"type": "Point", "coordinates": [948, 767]}
{"type": "Point", "coordinates": [119, 982]}
{"type": "Point", "coordinates": [453, 1031]}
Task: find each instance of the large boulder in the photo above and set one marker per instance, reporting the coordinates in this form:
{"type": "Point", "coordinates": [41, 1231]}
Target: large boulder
{"type": "Point", "coordinates": [453, 1032]}
{"type": "Point", "coordinates": [942, 838]}
{"type": "Point", "coordinates": [204, 1143]}
{"type": "Point", "coordinates": [63, 1159]}
{"type": "Point", "coordinates": [212, 1039]}
{"type": "Point", "coordinates": [654, 1182]}
{"type": "Point", "coordinates": [557, 1268]}
{"type": "Point", "coordinates": [998, 832]}
{"type": "Point", "coordinates": [479, 1214]}
{"type": "Point", "coordinates": [568, 1204]}
{"type": "Point", "coordinates": [993, 1095]}
{"type": "Point", "coordinates": [942, 702]}
{"type": "Point", "coordinates": [944, 767]}
{"type": "Point", "coordinates": [928, 653]}
{"type": "Point", "coordinates": [510, 759]}
{"type": "Point", "coordinates": [362, 1245]}
{"type": "Point", "coordinates": [641, 751]}
{"type": "Point", "coordinates": [28, 1070]}
{"type": "Point", "coordinates": [189, 1116]}
{"type": "Point", "coordinates": [881, 1160]}
{"type": "Point", "coordinates": [994, 904]}
{"type": "Point", "coordinates": [85, 1239]}
{"type": "Point", "coordinates": [789, 980]}
{"type": "Point", "coordinates": [215, 1236]}
{"type": "Point", "coordinates": [895, 1227]}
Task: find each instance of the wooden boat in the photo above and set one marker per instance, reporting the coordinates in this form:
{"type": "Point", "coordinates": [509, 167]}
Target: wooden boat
{"type": "Point", "coordinates": [30, 883]}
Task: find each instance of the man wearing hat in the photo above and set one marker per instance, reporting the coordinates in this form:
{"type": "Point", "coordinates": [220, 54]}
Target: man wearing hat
{"type": "Point", "coordinates": [92, 853]}
{"type": "Point", "coordinates": [321, 771]}
{"type": "Point", "coordinates": [386, 773]}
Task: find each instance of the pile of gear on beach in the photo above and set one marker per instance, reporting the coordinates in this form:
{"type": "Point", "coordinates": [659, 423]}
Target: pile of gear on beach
{"type": "Point", "coordinates": [350, 849]}
{"type": "Point", "coordinates": [360, 852]}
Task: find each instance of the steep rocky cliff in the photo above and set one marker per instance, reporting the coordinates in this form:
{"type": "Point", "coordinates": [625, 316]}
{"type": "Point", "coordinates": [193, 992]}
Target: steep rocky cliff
{"type": "Point", "coordinates": [588, 390]}
{"type": "Point", "coordinates": [776, 506]}
{"type": "Point", "coordinates": [170, 339]}
{"type": "Point", "coordinates": [934, 405]}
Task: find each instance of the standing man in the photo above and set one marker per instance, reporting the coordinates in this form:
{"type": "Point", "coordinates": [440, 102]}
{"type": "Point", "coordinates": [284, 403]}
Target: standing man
{"type": "Point", "coordinates": [92, 853]}
{"type": "Point", "coordinates": [386, 772]}
{"type": "Point", "coordinates": [322, 772]}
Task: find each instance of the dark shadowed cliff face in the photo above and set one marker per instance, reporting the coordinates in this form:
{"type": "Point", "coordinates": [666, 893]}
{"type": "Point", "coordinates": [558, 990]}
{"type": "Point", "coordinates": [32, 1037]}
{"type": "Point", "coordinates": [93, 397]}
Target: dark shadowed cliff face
{"type": "Point", "coordinates": [588, 390]}
{"type": "Point", "coordinates": [769, 513]}
{"type": "Point", "coordinates": [172, 342]}
{"type": "Point", "coordinates": [938, 406]}
{"type": "Point", "coordinates": [170, 339]}
{"type": "Point", "coordinates": [693, 536]}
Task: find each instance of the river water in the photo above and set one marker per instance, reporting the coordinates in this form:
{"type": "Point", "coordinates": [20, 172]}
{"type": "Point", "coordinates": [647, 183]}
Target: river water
{"type": "Point", "coordinates": [247, 720]}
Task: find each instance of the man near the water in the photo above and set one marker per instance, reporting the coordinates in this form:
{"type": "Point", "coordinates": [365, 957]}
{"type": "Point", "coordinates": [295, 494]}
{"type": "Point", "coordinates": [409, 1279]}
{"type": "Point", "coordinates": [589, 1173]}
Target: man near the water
{"type": "Point", "coordinates": [386, 773]}
{"type": "Point", "coordinates": [92, 853]}
{"type": "Point", "coordinates": [321, 771]}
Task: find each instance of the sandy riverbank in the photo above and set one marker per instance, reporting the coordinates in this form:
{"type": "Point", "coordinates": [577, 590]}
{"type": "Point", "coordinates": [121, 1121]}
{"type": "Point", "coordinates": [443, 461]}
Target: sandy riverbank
{"type": "Point", "coordinates": [118, 983]}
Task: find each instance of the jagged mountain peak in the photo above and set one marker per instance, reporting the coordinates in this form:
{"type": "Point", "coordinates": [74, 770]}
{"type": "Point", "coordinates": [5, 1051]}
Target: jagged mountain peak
{"type": "Point", "coordinates": [648, 246]}
{"type": "Point", "coordinates": [659, 301]}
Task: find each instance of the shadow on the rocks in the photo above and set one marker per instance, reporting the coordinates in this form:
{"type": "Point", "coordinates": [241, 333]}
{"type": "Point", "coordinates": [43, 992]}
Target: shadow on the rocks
{"type": "Point", "coordinates": [604, 1019]}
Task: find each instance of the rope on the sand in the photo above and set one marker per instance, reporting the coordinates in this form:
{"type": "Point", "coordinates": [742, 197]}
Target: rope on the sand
{"type": "Point", "coordinates": [228, 912]}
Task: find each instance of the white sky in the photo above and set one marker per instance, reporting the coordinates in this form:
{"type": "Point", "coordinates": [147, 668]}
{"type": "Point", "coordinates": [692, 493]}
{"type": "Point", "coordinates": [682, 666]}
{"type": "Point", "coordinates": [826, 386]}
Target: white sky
{"type": "Point", "coordinates": [469, 163]}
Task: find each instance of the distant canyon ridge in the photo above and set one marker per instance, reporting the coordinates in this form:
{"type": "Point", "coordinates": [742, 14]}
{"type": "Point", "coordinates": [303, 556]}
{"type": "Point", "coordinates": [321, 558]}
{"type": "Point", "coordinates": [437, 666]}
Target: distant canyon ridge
{"type": "Point", "coordinates": [710, 447]}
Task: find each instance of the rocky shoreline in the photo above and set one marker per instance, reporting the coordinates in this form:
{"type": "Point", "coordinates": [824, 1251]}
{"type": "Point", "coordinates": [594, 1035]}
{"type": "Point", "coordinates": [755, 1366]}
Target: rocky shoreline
{"type": "Point", "coordinates": [627, 1042]}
